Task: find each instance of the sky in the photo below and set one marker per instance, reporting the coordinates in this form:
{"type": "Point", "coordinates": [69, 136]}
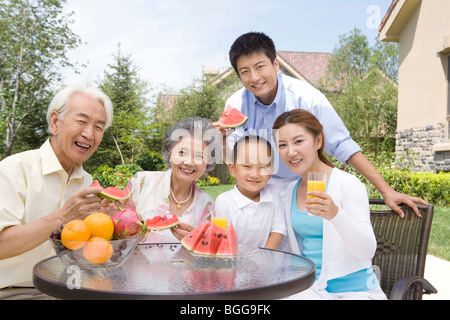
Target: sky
{"type": "Point", "coordinates": [172, 41]}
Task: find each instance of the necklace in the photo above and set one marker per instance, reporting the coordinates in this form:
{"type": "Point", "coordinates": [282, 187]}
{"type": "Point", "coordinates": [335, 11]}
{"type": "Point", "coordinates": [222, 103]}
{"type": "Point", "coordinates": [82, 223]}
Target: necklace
{"type": "Point", "coordinates": [179, 203]}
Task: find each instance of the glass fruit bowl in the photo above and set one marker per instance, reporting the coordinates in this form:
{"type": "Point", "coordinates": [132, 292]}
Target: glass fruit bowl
{"type": "Point", "coordinates": [95, 254]}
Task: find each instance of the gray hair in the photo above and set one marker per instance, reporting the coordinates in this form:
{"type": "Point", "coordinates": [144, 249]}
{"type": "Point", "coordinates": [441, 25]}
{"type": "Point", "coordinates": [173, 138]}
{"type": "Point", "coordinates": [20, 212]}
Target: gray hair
{"type": "Point", "coordinates": [60, 102]}
{"type": "Point", "coordinates": [195, 127]}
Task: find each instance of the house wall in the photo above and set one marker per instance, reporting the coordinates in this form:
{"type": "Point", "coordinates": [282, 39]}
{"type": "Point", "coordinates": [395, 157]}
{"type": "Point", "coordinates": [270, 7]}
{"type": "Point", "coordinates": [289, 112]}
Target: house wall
{"type": "Point", "coordinates": [423, 86]}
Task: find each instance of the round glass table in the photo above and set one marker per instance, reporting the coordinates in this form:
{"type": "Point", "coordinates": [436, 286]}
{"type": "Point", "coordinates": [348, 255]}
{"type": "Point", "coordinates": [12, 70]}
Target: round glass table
{"type": "Point", "coordinates": [169, 271]}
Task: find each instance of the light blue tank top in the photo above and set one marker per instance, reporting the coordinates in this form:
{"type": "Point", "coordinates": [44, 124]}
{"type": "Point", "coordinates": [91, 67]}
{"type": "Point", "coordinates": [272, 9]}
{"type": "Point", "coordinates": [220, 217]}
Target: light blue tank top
{"type": "Point", "coordinates": [310, 228]}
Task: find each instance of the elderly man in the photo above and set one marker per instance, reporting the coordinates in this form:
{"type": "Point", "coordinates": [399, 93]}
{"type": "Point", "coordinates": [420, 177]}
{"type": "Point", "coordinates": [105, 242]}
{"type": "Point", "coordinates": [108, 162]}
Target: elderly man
{"type": "Point", "coordinates": [43, 188]}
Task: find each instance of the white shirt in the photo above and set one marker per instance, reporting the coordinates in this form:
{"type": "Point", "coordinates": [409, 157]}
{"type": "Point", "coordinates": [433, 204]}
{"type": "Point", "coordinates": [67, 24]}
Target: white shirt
{"type": "Point", "coordinates": [150, 193]}
{"type": "Point", "coordinates": [253, 221]}
{"type": "Point", "coordinates": [34, 184]}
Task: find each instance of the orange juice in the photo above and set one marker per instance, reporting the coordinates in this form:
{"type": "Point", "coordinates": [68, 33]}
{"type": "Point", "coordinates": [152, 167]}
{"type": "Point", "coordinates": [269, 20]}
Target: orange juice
{"type": "Point", "coordinates": [317, 181]}
{"type": "Point", "coordinates": [315, 186]}
{"type": "Point", "coordinates": [220, 222]}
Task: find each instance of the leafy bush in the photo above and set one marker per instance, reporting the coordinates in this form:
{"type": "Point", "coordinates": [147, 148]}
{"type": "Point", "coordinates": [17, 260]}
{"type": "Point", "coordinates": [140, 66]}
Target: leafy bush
{"type": "Point", "coordinates": [152, 161]}
{"type": "Point", "coordinates": [394, 168]}
{"type": "Point", "coordinates": [432, 187]}
{"type": "Point", "coordinates": [119, 176]}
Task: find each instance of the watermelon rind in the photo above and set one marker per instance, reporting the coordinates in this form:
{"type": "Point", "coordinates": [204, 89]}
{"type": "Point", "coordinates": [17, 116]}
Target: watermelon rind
{"type": "Point", "coordinates": [112, 193]}
{"type": "Point", "coordinates": [232, 118]}
{"type": "Point", "coordinates": [162, 222]}
{"type": "Point", "coordinates": [109, 194]}
{"type": "Point", "coordinates": [243, 252]}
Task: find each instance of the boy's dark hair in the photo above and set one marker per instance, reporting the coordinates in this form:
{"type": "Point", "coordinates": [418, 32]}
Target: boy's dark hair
{"type": "Point", "coordinates": [250, 43]}
{"type": "Point", "coordinates": [247, 139]}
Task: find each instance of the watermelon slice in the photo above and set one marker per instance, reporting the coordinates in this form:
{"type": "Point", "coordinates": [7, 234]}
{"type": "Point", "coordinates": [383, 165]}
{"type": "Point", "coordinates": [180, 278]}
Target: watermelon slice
{"type": "Point", "coordinates": [162, 222]}
{"type": "Point", "coordinates": [232, 118]}
{"type": "Point", "coordinates": [192, 238]}
{"type": "Point", "coordinates": [210, 241]}
{"type": "Point", "coordinates": [112, 193]}
{"type": "Point", "coordinates": [229, 244]}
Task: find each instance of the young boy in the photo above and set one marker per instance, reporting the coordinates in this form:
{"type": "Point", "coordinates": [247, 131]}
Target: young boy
{"type": "Point", "coordinates": [267, 94]}
{"type": "Point", "coordinates": [254, 208]}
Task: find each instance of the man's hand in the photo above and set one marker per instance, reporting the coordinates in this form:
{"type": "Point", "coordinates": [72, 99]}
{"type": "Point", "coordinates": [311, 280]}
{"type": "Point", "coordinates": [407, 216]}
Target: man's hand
{"type": "Point", "coordinates": [391, 197]}
{"type": "Point", "coordinates": [394, 198]}
{"type": "Point", "coordinates": [81, 204]}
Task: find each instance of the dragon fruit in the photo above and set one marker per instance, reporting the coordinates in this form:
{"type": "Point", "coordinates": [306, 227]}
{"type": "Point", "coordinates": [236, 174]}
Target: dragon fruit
{"type": "Point", "coordinates": [128, 223]}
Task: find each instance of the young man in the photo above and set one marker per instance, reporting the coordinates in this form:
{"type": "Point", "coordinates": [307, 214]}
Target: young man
{"type": "Point", "coordinates": [267, 94]}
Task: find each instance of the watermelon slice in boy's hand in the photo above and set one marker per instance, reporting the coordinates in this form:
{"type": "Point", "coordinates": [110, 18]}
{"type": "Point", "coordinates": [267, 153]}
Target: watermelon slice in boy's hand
{"type": "Point", "coordinates": [232, 118]}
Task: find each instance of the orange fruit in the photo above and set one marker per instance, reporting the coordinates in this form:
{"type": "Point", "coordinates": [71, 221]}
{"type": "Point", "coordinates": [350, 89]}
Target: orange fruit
{"type": "Point", "coordinates": [97, 250]}
{"type": "Point", "coordinates": [75, 230]}
{"type": "Point", "coordinates": [100, 225]}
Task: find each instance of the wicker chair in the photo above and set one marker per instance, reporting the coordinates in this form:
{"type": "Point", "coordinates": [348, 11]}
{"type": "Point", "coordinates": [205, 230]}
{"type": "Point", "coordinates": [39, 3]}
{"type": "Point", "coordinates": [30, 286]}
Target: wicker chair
{"type": "Point", "coordinates": [401, 250]}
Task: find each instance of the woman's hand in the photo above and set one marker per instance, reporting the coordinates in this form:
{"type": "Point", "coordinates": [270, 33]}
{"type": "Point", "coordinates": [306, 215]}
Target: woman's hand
{"type": "Point", "coordinates": [181, 230]}
{"type": "Point", "coordinates": [323, 206]}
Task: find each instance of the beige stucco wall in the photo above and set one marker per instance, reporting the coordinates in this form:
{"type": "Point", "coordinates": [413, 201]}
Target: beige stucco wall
{"type": "Point", "coordinates": [422, 28]}
{"type": "Point", "coordinates": [422, 78]}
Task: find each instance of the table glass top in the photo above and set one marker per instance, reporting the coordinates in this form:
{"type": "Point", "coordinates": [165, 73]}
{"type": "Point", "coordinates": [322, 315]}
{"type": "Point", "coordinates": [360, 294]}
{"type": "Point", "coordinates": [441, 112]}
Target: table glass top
{"type": "Point", "coordinates": [170, 269]}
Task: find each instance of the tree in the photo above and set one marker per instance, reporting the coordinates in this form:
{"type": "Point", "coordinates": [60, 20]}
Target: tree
{"type": "Point", "coordinates": [124, 140]}
{"type": "Point", "coordinates": [202, 98]}
{"type": "Point", "coordinates": [34, 39]}
{"type": "Point", "coordinates": [364, 90]}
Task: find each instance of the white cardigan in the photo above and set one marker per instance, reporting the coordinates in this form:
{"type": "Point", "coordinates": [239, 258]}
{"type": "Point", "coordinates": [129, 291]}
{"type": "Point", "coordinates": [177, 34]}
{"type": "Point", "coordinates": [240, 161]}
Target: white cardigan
{"type": "Point", "coordinates": [349, 242]}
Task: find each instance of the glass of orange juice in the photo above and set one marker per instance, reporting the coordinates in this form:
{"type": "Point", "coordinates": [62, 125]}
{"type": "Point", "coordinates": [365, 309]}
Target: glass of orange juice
{"type": "Point", "coordinates": [220, 222]}
{"type": "Point", "coordinates": [317, 181]}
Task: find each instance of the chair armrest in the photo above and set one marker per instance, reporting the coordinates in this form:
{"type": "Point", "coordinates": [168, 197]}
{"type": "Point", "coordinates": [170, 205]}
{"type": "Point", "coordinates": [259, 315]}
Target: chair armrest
{"type": "Point", "coordinates": [399, 290]}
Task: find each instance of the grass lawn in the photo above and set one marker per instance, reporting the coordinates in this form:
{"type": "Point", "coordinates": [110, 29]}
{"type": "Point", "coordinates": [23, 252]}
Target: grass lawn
{"type": "Point", "coordinates": [438, 245]}
{"type": "Point", "coordinates": [214, 191]}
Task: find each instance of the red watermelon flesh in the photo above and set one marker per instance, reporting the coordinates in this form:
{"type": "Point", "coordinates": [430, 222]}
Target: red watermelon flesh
{"type": "Point", "coordinates": [229, 244]}
{"type": "Point", "coordinates": [210, 241]}
{"type": "Point", "coordinates": [232, 118]}
{"type": "Point", "coordinates": [112, 193]}
{"type": "Point", "coordinates": [191, 240]}
{"type": "Point", "coordinates": [162, 222]}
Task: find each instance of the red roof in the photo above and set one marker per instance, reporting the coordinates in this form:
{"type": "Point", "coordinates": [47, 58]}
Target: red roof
{"type": "Point", "coordinates": [312, 66]}
{"type": "Point", "coordinates": [168, 100]}
{"type": "Point", "coordinates": [387, 15]}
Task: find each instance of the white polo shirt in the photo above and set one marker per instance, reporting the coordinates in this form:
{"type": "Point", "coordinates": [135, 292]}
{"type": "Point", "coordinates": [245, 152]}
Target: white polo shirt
{"type": "Point", "coordinates": [253, 221]}
{"type": "Point", "coordinates": [34, 184]}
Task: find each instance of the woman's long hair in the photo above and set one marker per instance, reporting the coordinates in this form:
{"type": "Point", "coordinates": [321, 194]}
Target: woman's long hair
{"type": "Point", "coordinates": [309, 122]}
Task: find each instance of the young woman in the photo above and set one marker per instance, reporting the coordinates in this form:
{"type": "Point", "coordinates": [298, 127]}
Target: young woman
{"type": "Point", "coordinates": [339, 237]}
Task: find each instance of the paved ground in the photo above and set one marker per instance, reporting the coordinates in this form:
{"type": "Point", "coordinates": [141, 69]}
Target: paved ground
{"type": "Point", "coordinates": [437, 272]}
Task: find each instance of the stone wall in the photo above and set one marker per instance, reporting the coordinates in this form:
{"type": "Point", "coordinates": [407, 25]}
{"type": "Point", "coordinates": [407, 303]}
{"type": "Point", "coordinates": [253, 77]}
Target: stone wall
{"type": "Point", "coordinates": [420, 141]}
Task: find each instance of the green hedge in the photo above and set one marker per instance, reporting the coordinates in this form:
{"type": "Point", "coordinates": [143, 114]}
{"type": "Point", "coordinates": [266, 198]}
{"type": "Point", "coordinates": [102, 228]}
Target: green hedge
{"type": "Point", "coordinates": [432, 187]}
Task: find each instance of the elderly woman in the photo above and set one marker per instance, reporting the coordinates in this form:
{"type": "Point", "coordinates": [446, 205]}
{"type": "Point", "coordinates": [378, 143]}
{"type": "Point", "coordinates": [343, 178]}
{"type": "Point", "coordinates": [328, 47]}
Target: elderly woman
{"type": "Point", "coordinates": [189, 149]}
